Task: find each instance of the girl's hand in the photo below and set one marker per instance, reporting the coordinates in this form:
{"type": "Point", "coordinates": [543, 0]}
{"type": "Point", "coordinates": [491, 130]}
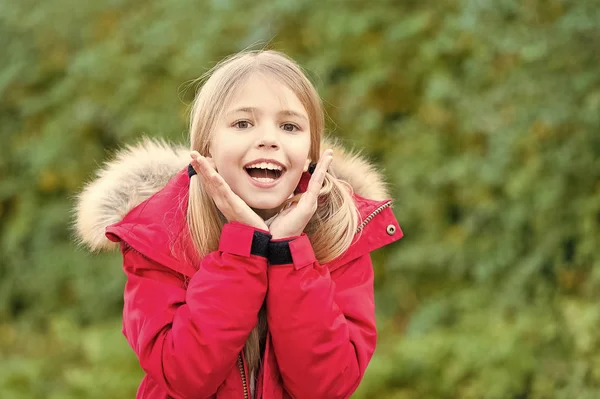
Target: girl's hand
{"type": "Point", "coordinates": [231, 205]}
{"type": "Point", "coordinates": [292, 221]}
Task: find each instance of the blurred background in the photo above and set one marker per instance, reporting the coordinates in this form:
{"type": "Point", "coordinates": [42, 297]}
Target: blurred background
{"type": "Point", "coordinates": [484, 115]}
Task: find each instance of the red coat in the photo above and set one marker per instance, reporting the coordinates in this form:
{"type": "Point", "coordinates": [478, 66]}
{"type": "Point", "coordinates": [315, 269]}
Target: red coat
{"type": "Point", "coordinates": [187, 319]}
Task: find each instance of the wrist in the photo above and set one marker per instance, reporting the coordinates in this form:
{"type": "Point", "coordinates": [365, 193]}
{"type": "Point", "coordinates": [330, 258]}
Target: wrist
{"type": "Point", "coordinates": [262, 227]}
{"type": "Point", "coordinates": [284, 236]}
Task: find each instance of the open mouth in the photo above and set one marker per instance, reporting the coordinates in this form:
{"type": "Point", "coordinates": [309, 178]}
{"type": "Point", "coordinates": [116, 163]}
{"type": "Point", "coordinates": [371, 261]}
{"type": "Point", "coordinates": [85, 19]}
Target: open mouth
{"type": "Point", "coordinates": [265, 173]}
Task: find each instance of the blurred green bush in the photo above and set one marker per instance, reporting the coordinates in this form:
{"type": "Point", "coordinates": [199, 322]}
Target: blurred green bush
{"type": "Point", "coordinates": [485, 116]}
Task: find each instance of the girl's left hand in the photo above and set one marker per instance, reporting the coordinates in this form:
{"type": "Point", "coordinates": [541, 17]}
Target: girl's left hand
{"type": "Point", "coordinates": [292, 221]}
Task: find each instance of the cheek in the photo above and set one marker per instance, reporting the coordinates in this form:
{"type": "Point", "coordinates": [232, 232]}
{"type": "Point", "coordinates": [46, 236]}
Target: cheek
{"type": "Point", "coordinates": [299, 162]}
{"type": "Point", "coordinates": [226, 156]}
{"type": "Point", "coordinates": [300, 151]}
{"type": "Point", "coordinates": [226, 165]}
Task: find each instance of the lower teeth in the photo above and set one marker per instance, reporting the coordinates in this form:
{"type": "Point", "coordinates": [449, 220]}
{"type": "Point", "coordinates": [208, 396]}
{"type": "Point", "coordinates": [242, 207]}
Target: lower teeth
{"type": "Point", "coordinates": [264, 179]}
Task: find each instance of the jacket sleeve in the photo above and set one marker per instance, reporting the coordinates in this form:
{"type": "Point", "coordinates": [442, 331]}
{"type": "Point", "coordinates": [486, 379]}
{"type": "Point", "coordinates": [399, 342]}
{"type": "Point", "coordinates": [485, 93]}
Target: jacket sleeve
{"type": "Point", "coordinates": [187, 340]}
{"type": "Point", "coordinates": [322, 325]}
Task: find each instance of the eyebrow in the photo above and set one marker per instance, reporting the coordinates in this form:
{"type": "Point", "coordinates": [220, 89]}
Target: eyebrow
{"type": "Point", "coordinates": [253, 110]}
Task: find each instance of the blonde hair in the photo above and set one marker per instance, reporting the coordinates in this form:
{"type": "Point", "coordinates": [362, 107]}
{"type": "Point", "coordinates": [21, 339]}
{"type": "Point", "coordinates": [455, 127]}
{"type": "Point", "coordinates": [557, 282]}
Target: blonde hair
{"type": "Point", "coordinates": [331, 229]}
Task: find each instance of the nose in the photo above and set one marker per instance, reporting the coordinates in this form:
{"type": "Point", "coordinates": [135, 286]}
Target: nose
{"type": "Point", "coordinates": [268, 139]}
{"type": "Point", "coordinates": [268, 144]}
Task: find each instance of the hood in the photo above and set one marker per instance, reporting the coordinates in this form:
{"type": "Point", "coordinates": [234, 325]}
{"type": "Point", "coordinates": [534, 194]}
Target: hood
{"type": "Point", "coordinates": [137, 172]}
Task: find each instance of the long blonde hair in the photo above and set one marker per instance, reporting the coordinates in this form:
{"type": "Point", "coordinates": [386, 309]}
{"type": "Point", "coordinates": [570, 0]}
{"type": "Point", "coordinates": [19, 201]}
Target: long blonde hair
{"type": "Point", "coordinates": [332, 228]}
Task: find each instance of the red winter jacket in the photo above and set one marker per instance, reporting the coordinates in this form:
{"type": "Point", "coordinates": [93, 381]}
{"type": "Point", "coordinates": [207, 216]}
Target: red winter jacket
{"type": "Point", "coordinates": [187, 319]}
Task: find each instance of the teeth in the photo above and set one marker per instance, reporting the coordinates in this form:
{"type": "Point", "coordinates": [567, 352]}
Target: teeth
{"type": "Point", "coordinates": [265, 165]}
{"type": "Point", "coordinates": [264, 179]}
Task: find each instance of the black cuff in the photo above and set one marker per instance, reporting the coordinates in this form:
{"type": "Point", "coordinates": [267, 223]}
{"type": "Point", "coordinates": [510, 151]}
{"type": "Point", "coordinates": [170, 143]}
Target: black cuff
{"type": "Point", "coordinates": [260, 244]}
{"type": "Point", "coordinates": [279, 253]}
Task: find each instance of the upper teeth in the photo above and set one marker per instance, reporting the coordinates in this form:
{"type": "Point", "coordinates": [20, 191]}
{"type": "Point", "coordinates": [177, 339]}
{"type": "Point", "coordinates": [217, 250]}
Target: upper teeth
{"type": "Point", "coordinates": [265, 165]}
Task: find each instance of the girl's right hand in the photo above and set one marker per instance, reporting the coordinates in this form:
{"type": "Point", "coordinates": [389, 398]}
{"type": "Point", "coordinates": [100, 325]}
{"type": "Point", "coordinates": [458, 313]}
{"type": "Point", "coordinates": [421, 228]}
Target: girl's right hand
{"type": "Point", "coordinates": [231, 205]}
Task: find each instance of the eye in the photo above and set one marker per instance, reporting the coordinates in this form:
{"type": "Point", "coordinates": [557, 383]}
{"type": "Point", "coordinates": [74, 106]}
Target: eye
{"type": "Point", "coordinates": [242, 124]}
{"type": "Point", "coordinates": [290, 127]}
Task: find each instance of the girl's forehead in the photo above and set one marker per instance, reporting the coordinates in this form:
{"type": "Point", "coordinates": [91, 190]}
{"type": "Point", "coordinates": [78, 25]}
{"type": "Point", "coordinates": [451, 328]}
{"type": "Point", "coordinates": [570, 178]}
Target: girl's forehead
{"type": "Point", "coordinates": [266, 93]}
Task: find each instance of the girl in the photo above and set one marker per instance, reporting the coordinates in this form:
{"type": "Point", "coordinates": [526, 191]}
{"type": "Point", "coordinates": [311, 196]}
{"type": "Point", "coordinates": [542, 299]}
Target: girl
{"type": "Point", "coordinates": [248, 267]}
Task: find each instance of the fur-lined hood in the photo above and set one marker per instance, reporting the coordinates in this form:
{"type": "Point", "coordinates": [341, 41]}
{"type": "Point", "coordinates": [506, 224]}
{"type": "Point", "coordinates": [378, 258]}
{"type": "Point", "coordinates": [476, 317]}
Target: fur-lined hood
{"type": "Point", "coordinates": [139, 171]}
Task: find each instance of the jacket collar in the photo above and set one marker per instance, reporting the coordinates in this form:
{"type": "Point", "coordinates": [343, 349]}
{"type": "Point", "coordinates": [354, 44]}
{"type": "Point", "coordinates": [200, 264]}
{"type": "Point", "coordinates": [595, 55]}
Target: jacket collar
{"type": "Point", "coordinates": [150, 179]}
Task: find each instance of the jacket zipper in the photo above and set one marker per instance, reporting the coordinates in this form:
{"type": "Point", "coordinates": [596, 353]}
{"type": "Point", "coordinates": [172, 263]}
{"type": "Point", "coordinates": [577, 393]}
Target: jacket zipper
{"type": "Point", "coordinates": [372, 215]}
{"type": "Point", "coordinates": [240, 363]}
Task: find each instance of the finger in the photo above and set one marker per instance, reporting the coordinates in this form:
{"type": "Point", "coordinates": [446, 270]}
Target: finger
{"type": "Point", "coordinates": [194, 162]}
{"type": "Point", "coordinates": [208, 176]}
{"type": "Point", "coordinates": [217, 188]}
{"type": "Point", "coordinates": [323, 164]}
{"type": "Point", "coordinates": [222, 187]}
{"type": "Point", "coordinates": [218, 184]}
{"type": "Point", "coordinates": [236, 208]}
{"type": "Point", "coordinates": [204, 167]}
{"type": "Point", "coordinates": [212, 181]}
{"type": "Point", "coordinates": [316, 181]}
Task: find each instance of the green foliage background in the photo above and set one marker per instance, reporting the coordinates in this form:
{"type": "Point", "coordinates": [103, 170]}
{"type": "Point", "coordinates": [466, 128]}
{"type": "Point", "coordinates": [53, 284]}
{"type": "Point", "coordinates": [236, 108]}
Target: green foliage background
{"type": "Point", "coordinates": [484, 114]}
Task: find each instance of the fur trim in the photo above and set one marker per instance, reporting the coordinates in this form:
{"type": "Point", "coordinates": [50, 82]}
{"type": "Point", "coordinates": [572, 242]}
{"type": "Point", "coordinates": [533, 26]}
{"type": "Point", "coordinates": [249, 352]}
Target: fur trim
{"type": "Point", "coordinates": [135, 174]}
{"type": "Point", "coordinates": [141, 170]}
{"type": "Point", "coordinates": [353, 168]}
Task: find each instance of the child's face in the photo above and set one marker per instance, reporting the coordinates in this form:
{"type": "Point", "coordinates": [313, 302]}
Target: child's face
{"type": "Point", "coordinates": [261, 144]}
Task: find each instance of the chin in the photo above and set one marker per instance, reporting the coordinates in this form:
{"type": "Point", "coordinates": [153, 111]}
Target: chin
{"type": "Point", "coordinates": [265, 204]}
